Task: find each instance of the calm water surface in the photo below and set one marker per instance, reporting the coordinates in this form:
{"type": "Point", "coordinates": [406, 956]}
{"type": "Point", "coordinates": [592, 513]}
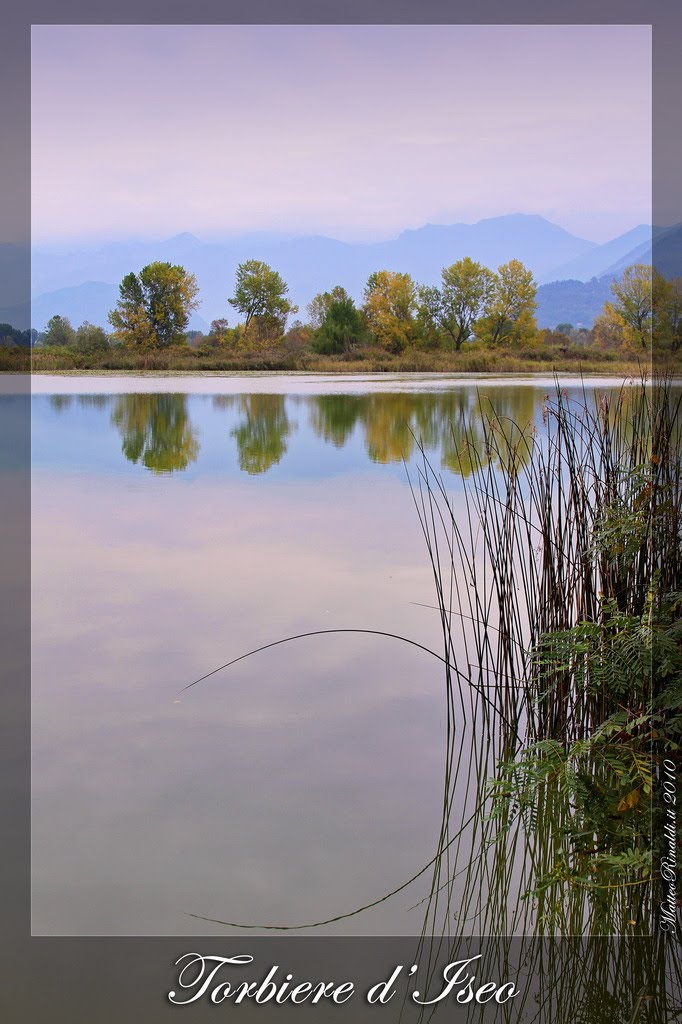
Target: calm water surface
{"type": "Point", "coordinates": [178, 524]}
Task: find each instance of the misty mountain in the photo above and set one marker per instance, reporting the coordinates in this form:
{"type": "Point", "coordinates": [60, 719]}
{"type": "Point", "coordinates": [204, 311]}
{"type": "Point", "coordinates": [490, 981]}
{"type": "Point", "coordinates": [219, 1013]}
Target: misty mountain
{"type": "Point", "coordinates": [15, 263]}
{"type": "Point", "coordinates": [599, 260]}
{"type": "Point", "coordinates": [539, 244]}
{"type": "Point", "coordinates": [665, 249]}
{"type": "Point", "coordinates": [574, 273]}
{"type": "Point", "coordinates": [573, 302]}
{"type": "Point", "coordinates": [73, 283]}
{"type": "Point", "coordinates": [17, 316]}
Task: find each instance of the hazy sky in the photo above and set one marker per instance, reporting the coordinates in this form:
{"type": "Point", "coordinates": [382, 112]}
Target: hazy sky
{"type": "Point", "coordinates": [352, 131]}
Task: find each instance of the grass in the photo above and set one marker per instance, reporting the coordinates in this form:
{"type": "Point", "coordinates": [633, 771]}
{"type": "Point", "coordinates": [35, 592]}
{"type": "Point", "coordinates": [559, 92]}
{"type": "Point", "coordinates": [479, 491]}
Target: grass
{"type": "Point", "coordinates": [570, 538]}
{"type": "Point", "coordinates": [570, 531]}
{"type": "Point", "coordinates": [472, 359]}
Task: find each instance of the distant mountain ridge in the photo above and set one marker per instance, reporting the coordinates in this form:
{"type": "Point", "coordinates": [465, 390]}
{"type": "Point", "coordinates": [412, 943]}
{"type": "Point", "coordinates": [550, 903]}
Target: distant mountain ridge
{"type": "Point", "coordinates": [83, 284]}
{"type": "Point", "coordinates": [598, 261]}
{"type": "Point", "coordinates": [572, 302]}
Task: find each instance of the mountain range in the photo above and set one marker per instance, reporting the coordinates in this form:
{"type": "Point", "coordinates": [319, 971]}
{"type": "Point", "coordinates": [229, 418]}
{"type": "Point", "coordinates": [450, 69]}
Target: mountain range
{"type": "Point", "coordinates": [82, 283]}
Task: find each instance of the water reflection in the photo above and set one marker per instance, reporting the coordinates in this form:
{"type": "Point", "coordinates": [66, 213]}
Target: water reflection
{"type": "Point", "coordinates": [94, 401]}
{"type": "Point", "coordinates": [463, 442]}
{"type": "Point", "coordinates": [164, 807]}
{"type": "Point", "coordinates": [61, 402]}
{"type": "Point", "coordinates": [156, 431]}
{"type": "Point", "coordinates": [333, 417]}
{"type": "Point", "coordinates": [261, 436]}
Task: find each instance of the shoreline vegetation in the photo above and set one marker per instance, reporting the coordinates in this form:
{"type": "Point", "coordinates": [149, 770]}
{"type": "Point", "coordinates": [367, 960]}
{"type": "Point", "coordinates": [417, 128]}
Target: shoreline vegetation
{"type": "Point", "coordinates": [475, 321]}
{"type": "Point", "coordinates": [570, 546]}
{"type": "Point", "coordinates": [186, 361]}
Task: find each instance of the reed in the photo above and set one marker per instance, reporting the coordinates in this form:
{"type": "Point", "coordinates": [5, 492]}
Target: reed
{"type": "Point", "coordinates": [555, 593]}
{"type": "Point", "coordinates": [558, 592]}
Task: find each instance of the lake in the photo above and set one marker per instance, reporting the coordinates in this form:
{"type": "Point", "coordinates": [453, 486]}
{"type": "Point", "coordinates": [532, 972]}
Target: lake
{"type": "Point", "coordinates": [179, 523]}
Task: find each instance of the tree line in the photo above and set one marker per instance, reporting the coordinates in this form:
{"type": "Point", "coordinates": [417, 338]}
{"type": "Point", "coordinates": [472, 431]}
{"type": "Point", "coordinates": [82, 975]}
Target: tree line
{"type": "Point", "coordinates": [11, 337]}
{"type": "Point", "coordinates": [471, 303]}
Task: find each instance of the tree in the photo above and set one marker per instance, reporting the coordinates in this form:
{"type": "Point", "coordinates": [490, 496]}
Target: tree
{"type": "Point", "coordinates": [260, 295]}
{"type": "Point", "coordinates": [390, 308]}
{"type": "Point", "coordinates": [154, 306]}
{"type": "Point", "coordinates": [317, 308]}
{"type": "Point", "coordinates": [59, 332]}
{"type": "Point", "coordinates": [11, 337]}
{"type": "Point", "coordinates": [629, 317]}
{"type": "Point", "coordinates": [218, 333]}
{"type": "Point", "coordinates": [218, 328]}
{"type": "Point", "coordinates": [90, 338]}
{"type": "Point", "coordinates": [555, 339]}
{"type": "Point", "coordinates": [667, 311]}
{"type": "Point", "coordinates": [456, 307]}
{"type": "Point", "coordinates": [342, 328]}
{"type": "Point", "coordinates": [607, 333]}
{"type": "Point", "coordinates": [509, 316]}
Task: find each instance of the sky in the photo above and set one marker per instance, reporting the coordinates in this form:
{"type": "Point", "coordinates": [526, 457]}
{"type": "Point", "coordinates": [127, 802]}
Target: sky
{"type": "Point", "coordinates": [355, 132]}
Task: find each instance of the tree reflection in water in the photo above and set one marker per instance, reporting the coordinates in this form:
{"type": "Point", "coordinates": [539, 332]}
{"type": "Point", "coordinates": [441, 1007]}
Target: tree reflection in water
{"type": "Point", "coordinates": [449, 422]}
{"type": "Point", "coordinates": [261, 437]}
{"type": "Point", "coordinates": [156, 430]}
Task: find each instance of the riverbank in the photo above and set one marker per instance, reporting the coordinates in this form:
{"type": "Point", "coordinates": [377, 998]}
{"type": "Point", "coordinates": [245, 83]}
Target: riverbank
{"type": "Point", "coordinates": [473, 360]}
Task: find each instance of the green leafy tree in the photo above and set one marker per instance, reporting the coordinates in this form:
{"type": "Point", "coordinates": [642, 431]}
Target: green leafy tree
{"type": "Point", "coordinates": [509, 315]}
{"type": "Point", "coordinates": [318, 307]}
{"type": "Point", "coordinates": [342, 329]}
{"type": "Point", "coordinates": [154, 306]}
{"type": "Point", "coordinates": [59, 332]}
{"type": "Point", "coordinates": [90, 338]}
{"type": "Point", "coordinates": [260, 297]}
{"type": "Point", "coordinates": [456, 306]}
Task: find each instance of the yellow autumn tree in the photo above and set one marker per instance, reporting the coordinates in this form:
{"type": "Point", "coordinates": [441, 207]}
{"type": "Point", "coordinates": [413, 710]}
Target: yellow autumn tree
{"type": "Point", "coordinates": [390, 308]}
{"type": "Point", "coordinates": [509, 316]}
{"type": "Point", "coordinates": [154, 306]}
{"type": "Point", "coordinates": [454, 309]}
{"type": "Point", "coordinates": [627, 320]}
